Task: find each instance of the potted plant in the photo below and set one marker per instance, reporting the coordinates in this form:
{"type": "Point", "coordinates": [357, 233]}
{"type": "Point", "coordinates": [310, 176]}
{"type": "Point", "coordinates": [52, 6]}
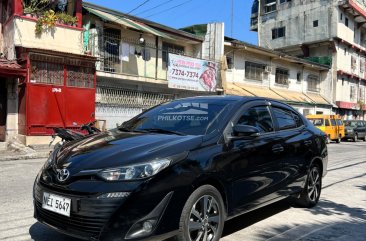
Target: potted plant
{"type": "Point", "coordinates": [32, 7]}
{"type": "Point", "coordinates": [48, 20]}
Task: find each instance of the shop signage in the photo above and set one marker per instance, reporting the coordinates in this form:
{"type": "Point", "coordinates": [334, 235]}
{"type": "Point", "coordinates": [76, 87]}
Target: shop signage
{"type": "Point", "coordinates": [191, 74]}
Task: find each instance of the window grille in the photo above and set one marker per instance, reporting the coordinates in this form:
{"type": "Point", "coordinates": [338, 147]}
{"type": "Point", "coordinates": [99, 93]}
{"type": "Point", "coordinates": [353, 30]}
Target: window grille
{"type": "Point", "coordinates": [47, 73]}
{"type": "Point", "coordinates": [254, 71]}
{"type": "Point", "coordinates": [313, 83]}
{"type": "Point", "coordinates": [80, 77]}
{"type": "Point", "coordinates": [282, 76]}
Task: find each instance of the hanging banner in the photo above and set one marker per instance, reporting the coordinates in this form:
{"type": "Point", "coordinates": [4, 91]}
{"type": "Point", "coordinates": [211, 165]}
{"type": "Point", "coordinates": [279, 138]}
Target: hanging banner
{"type": "Point", "coordinates": [191, 74]}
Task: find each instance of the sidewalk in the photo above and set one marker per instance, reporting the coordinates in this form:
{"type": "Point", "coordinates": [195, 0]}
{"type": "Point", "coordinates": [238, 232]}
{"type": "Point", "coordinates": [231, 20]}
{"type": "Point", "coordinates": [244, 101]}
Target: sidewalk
{"type": "Point", "coordinates": [34, 152]}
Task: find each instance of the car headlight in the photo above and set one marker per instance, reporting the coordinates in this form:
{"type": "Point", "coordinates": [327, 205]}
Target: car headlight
{"type": "Point", "coordinates": [135, 172]}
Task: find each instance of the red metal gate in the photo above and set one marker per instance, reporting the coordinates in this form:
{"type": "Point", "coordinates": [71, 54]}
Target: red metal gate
{"type": "Point", "coordinates": [60, 92]}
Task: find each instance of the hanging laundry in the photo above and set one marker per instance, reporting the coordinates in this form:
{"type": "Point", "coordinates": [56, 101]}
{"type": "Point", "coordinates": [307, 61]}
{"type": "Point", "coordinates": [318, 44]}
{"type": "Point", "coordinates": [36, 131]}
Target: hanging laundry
{"type": "Point", "coordinates": [125, 52]}
{"type": "Point", "coordinates": [146, 55]}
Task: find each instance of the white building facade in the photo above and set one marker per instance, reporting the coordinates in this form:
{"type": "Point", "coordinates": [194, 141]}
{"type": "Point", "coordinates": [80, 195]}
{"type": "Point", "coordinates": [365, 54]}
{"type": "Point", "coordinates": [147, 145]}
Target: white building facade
{"type": "Point", "coordinates": [329, 32]}
{"type": "Point", "coordinates": [256, 71]}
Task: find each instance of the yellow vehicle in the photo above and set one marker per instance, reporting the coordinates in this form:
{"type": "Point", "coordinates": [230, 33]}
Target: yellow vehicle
{"type": "Point", "coordinates": [331, 125]}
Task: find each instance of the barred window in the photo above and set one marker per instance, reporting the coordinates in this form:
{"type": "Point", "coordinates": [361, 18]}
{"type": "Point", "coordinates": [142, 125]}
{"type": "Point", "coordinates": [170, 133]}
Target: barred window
{"type": "Point", "coordinates": [80, 77]}
{"type": "Point", "coordinates": [353, 93]}
{"type": "Point", "coordinates": [281, 76]}
{"type": "Point", "coordinates": [47, 73]}
{"type": "Point", "coordinates": [313, 83]}
{"type": "Point", "coordinates": [254, 71]}
{"type": "Point", "coordinates": [170, 48]}
{"type": "Point", "coordinates": [362, 92]}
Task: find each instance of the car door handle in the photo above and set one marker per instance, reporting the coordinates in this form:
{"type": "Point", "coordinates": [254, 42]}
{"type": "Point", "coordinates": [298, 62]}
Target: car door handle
{"type": "Point", "coordinates": [308, 143]}
{"type": "Point", "coordinates": [277, 148]}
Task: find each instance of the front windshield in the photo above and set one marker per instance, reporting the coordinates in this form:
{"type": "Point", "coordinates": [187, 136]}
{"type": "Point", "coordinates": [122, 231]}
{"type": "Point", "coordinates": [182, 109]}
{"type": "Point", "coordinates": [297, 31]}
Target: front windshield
{"type": "Point", "coordinates": [186, 117]}
{"type": "Point", "coordinates": [350, 123]}
{"type": "Point", "coordinates": [316, 121]}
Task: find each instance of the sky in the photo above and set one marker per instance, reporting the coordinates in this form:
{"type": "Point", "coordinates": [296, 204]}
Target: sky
{"type": "Point", "coordinates": [182, 13]}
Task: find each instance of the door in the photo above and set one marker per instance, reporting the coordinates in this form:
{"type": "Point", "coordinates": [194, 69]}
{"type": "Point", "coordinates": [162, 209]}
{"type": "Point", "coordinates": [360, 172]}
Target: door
{"type": "Point", "coordinates": [3, 108]}
{"type": "Point", "coordinates": [335, 129]}
{"type": "Point", "coordinates": [254, 169]}
{"type": "Point", "coordinates": [297, 142]}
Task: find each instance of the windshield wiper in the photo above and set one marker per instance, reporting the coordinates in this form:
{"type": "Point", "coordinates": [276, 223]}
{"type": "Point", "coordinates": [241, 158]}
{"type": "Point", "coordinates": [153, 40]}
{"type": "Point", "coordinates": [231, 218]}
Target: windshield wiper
{"type": "Point", "coordinates": [158, 130]}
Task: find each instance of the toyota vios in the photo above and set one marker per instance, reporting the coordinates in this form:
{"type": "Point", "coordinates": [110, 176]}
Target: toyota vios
{"type": "Point", "coordinates": [181, 169]}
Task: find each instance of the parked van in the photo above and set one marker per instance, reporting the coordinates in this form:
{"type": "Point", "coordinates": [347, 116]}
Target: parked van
{"type": "Point", "coordinates": [332, 125]}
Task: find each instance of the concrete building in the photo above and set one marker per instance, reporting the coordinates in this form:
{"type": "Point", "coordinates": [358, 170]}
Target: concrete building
{"type": "Point", "coordinates": [256, 71]}
{"type": "Point", "coordinates": [46, 79]}
{"type": "Point", "coordinates": [133, 60]}
{"type": "Point", "coordinates": [331, 32]}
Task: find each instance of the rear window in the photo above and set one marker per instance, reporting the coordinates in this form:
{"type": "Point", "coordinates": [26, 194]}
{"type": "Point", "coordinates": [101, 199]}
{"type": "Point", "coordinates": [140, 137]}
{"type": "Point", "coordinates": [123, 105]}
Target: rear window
{"type": "Point", "coordinates": [317, 121]}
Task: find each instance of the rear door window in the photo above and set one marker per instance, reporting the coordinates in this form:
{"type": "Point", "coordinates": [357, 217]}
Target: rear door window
{"type": "Point", "coordinates": [327, 122]}
{"type": "Point", "coordinates": [259, 117]}
{"type": "Point", "coordinates": [340, 123]}
{"type": "Point", "coordinates": [285, 118]}
{"type": "Point", "coordinates": [333, 121]}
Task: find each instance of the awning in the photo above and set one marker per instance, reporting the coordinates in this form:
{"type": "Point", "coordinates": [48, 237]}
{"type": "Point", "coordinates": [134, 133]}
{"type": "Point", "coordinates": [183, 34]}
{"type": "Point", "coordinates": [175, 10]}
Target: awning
{"type": "Point", "coordinates": [260, 91]}
{"type": "Point", "coordinates": [293, 96]}
{"type": "Point", "coordinates": [10, 68]}
{"type": "Point", "coordinates": [317, 98]}
{"type": "Point", "coordinates": [127, 22]}
{"type": "Point", "coordinates": [232, 89]}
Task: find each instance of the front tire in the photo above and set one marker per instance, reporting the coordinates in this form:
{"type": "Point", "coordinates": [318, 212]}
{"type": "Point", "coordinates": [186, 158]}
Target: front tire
{"type": "Point", "coordinates": [203, 216]}
{"type": "Point", "coordinates": [310, 195]}
{"type": "Point", "coordinates": [339, 139]}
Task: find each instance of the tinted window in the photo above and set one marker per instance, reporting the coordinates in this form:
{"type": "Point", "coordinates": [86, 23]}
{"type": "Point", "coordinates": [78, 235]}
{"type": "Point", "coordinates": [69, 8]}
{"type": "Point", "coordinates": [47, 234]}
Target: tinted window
{"type": "Point", "coordinates": [284, 118]}
{"type": "Point", "coordinates": [339, 122]}
{"type": "Point", "coordinates": [298, 119]}
{"type": "Point", "coordinates": [259, 117]}
{"type": "Point", "coordinates": [327, 122]}
{"type": "Point", "coordinates": [196, 117]}
{"type": "Point", "coordinates": [350, 123]}
{"type": "Point", "coordinates": [333, 122]}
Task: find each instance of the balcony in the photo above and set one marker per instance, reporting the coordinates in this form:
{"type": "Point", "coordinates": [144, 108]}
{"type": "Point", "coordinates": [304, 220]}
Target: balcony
{"type": "Point", "coordinates": [20, 32]}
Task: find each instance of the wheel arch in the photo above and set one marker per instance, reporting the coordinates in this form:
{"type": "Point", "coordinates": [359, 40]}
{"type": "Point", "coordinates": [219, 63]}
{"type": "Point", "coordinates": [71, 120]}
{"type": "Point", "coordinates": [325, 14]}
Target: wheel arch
{"type": "Point", "coordinates": [318, 161]}
{"type": "Point", "coordinates": [216, 183]}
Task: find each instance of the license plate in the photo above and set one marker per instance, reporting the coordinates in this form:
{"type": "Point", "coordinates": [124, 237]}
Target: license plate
{"type": "Point", "coordinates": [57, 204]}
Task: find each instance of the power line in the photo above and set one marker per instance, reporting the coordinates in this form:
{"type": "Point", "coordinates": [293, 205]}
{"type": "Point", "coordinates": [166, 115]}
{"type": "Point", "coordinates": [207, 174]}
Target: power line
{"type": "Point", "coordinates": [169, 9]}
{"type": "Point", "coordinates": [148, 10]}
{"type": "Point", "coordinates": [142, 4]}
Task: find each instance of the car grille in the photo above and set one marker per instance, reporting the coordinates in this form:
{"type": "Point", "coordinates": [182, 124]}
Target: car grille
{"type": "Point", "coordinates": [87, 215]}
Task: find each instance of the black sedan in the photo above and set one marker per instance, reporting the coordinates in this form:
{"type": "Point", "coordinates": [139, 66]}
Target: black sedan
{"type": "Point", "coordinates": [181, 169]}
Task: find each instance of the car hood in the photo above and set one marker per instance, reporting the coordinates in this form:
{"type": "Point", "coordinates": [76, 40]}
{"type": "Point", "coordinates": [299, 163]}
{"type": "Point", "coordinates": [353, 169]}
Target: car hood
{"type": "Point", "coordinates": [116, 148]}
{"type": "Point", "coordinates": [349, 127]}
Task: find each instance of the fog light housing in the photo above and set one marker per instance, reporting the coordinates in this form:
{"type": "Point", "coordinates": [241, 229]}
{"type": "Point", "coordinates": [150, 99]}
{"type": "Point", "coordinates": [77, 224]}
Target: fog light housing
{"type": "Point", "coordinates": [141, 229]}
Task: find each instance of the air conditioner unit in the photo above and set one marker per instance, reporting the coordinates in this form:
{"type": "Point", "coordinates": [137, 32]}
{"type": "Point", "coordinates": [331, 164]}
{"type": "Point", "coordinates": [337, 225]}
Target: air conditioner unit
{"type": "Point", "coordinates": [268, 69]}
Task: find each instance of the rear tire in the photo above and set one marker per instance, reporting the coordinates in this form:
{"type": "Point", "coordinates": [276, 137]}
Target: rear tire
{"type": "Point", "coordinates": [203, 216]}
{"type": "Point", "coordinates": [355, 138]}
{"type": "Point", "coordinates": [339, 139]}
{"type": "Point", "coordinates": [310, 195]}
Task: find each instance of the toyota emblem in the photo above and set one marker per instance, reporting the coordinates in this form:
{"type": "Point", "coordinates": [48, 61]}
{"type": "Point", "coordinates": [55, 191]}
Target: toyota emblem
{"type": "Point", "coordinates": [62, 174]}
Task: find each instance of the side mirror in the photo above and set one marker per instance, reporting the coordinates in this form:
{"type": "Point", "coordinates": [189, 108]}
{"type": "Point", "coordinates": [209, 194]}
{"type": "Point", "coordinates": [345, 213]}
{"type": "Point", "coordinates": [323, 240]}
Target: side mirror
{"type": "Point", "coordinates": [245, 131]}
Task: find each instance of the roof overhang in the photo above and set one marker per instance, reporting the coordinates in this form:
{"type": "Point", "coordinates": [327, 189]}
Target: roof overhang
{"type": "Point", "coordinates": [170, 33]}
{"type": "Point", "coordinates": [356, 9]}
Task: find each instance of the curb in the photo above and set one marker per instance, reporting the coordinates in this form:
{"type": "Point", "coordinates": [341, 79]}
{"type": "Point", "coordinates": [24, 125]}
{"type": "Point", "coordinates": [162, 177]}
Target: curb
{"type": "Point", "coordinates": [24, 156]}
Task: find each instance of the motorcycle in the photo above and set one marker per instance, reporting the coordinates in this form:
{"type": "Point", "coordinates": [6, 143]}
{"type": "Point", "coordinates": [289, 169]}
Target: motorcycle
{"type": "Point", "coordinates": [69, 135]}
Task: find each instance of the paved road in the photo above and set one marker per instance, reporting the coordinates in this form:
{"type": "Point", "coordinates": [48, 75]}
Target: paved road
{"type": "Point", "coordinates": [340, 215]}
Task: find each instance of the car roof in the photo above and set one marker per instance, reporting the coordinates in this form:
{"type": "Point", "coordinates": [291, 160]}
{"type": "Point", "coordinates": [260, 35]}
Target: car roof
{"type": "Point", "coordinates": [228, 97]}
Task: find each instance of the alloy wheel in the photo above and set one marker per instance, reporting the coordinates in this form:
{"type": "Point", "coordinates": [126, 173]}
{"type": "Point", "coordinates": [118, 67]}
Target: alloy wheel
{"type": "Point", "coordinates": [314, 184]}
{"type": "Point", "coordinates": [204, 219]}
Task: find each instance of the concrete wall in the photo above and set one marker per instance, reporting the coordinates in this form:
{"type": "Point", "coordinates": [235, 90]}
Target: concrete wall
{"type": "Point", "coordinates": [298, 18]}
{"type": "Point", "coordinates": [62, 39]}
{"type": "Point", "coordinates": [12, 108]}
